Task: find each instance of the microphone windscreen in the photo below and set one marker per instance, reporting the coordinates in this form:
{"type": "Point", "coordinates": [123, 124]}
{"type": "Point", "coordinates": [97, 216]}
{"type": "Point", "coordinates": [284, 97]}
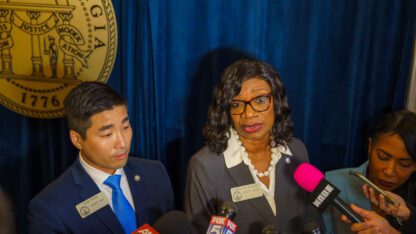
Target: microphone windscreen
{"type": "Point", "coordinates": [173, 222]}
{"type": "Point", "coordinates": [269, 229]}
{"type": "Point", "coordinates": [307, 176]}
{"type": "Point", "coordinates": [312, 228]}
{"type": "Point", "coordinates": [228, 209]}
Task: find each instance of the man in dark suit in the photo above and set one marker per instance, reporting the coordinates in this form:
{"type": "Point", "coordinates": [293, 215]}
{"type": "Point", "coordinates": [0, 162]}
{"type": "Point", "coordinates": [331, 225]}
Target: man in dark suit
{"type": "Point", "coordinates": [104, 191]}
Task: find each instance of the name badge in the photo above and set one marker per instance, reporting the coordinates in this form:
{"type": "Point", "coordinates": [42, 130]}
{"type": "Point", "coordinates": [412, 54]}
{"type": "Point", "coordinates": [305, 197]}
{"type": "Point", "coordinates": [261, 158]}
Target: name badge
{"type": "Point", "coordinates": [246, 192]}
{"type": "Point", "coordinates": [92, 204]}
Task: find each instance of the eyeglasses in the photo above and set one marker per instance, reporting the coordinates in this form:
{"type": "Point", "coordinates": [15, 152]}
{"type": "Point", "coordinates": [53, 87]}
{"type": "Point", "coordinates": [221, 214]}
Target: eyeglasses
{"type": "Point", "coordinates": [260, 103]}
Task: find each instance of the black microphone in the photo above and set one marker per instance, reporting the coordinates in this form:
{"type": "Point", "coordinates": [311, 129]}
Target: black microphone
{"type": "Point", "coordinates": [222, 223]}
{"type": "Point", "coordinates": [173, 222]}
{"type": "Point", "coordinates": [322, 193]}
{"type": "Point", "coordinates": [269, 229]}
{"type": "Point", "coordinates": [312, 228]}
{"type": "Point", "coordinates": [228, 210]}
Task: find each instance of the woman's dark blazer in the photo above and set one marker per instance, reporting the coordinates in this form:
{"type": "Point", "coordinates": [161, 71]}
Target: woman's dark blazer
{"type": "Point", "coordinates": [209, 182]}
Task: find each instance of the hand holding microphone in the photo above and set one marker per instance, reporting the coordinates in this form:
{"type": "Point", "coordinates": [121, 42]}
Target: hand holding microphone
{"type": "Point", "coordinates": [322, 193]}
{"type": "Point", "coordinates": [374, 223]}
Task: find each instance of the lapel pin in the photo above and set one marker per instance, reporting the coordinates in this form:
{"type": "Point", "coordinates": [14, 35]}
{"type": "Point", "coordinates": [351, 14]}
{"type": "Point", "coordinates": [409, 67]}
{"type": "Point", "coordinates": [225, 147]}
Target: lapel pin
{"type": "Point", "coordinates": [137, 178]}
{"type": "Point", "coordinates": [287, 160]}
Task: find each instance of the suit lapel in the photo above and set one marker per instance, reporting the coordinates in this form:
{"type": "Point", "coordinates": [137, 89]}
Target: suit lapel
{"type": "Point", "coordinates": [281, 185]}
{"type": "Point", "coordinates": [89, 189]}
{"type": "Point", "coordinates": [285, 186]}
{"type": "Point", "coordinates": [136, 185]}
{"type": "Point", "coordinates": [242, 176]}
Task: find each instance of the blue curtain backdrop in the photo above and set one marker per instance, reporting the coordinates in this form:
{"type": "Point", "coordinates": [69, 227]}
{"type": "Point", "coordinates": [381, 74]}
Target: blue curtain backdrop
{"type": "Point", "coordinates": [342, 61]}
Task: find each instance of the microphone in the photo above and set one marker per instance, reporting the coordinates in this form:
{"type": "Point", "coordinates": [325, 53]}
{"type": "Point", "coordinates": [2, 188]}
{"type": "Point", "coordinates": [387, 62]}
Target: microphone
{"type": "Point", "coordinates": [228, 210]}
{"type": "Point", "coordinates": [269, 229]}
{"type": "Point", "coordinates": [322, 193]}
{"type": "Point", "coordinates": [145, 229]}
{"type": "Point", "coordinates": [312, 228]}
{"type": "Point", "coordinates": [222, 223]}
{"type": "Point", "coordinates": [173, 222]}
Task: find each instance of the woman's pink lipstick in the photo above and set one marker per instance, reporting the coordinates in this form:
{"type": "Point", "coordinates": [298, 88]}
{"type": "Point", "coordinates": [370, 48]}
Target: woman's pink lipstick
{"type": "Point", "coordinates": [252, 128]}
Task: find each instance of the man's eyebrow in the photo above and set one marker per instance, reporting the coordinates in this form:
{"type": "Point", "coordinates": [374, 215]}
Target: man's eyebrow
{"type": "Point", "coordinates": [105, 127]}
{"type": "Point", "coordinates": [125, 120]}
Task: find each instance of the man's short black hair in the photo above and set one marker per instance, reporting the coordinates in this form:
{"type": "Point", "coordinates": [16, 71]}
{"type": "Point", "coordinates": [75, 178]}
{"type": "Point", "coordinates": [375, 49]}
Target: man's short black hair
{"type": "Point", "coordinates": [87, 99]}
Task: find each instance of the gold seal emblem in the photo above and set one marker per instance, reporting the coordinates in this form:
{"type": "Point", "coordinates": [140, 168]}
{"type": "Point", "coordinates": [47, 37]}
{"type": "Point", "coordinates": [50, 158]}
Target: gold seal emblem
{"type": "Point", "coordinates": [84, 211]}
{"type": "Point", "coordinates": [48, 47]}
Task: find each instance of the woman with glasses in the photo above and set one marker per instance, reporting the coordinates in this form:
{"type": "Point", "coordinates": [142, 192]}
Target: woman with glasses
{"type": "Point", "coordinates": [250, 156]}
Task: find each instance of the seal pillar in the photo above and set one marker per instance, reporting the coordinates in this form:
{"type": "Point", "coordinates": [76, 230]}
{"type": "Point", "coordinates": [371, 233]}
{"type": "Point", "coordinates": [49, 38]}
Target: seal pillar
{"type": "Point", "coordinates": [37, 69]}
{"type": "Point", "coordinates": [6, 57]}
{"type": "Point", "coordinates": [68, 59]}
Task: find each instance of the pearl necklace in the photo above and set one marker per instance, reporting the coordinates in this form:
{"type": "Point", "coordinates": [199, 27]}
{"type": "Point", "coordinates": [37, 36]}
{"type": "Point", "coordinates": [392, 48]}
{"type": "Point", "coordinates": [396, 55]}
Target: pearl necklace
{"type": "Point", "coordinates": [269, 169]}
{"type": "Point", "coordinates": [247, 160]}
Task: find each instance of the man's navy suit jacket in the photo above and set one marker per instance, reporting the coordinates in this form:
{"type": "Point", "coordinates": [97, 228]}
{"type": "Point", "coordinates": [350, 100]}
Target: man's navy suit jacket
{"type": "Point", "coordinates": [53, 209]}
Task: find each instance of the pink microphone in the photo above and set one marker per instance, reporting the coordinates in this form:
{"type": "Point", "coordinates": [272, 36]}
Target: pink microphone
{"type": "Point", "coordinates": [322, 193]}
{"type": "Point", "coordinates": [307, 176]}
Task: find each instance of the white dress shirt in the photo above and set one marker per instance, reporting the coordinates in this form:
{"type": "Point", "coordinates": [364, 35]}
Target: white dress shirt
{"type": "Point", "coordinates": [99, 177]}
{"type": "Point", "coordinates": [233, 156]}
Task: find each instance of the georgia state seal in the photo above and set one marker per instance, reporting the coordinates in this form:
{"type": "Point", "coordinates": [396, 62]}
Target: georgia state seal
{"type": "Point", "coordinates": [48, 47]}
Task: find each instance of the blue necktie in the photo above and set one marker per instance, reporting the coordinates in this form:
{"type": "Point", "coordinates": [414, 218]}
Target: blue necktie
{"type": "Point", "coordinates": [122, 208]}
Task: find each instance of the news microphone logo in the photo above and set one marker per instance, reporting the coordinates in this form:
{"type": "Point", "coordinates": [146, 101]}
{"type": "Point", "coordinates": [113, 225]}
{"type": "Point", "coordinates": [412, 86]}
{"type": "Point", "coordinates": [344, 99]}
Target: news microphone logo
{"type": "Point", "coordinates": [323, 195]}
{"type": "Point", "coordinates": [145, 229]}
{"type": "Point", "coordinates": [221, 225]}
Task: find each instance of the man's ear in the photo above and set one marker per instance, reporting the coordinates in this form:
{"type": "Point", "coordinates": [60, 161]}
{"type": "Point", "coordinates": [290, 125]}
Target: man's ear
{"type": "Point", "coordinates": [76, 139]}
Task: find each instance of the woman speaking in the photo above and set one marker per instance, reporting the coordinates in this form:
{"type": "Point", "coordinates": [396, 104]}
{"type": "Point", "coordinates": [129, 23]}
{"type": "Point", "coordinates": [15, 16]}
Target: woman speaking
{"type": "Point", "coordinates": [250, 156]}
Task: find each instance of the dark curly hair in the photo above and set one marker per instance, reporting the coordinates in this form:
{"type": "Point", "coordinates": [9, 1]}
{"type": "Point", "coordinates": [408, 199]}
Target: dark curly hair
{"type": "Point", "coordinates": [402, 123]}
{"type": "Point", "coordinates": [219, 120]}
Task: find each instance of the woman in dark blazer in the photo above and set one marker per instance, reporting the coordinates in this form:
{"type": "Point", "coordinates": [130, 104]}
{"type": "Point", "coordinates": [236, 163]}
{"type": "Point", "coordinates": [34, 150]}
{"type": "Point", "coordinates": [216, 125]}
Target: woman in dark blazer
{"type": "Point", "coordinates": [250, 156]}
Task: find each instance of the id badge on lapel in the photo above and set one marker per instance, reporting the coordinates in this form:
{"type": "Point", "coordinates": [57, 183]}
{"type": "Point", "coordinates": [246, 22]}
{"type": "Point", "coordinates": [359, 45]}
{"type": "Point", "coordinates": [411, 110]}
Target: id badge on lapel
{"type": "Point", "coordinates": [246, 192]}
